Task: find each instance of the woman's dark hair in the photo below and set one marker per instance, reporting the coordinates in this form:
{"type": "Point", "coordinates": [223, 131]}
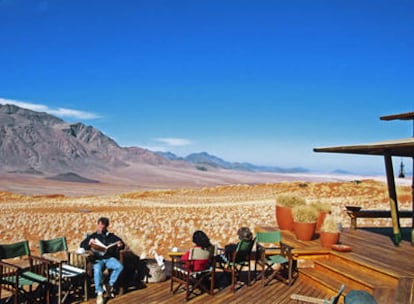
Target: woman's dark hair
{"type": "Point", "coordinates": [201, 239]}
{"type": "Point", "coordinates": [104, 221]}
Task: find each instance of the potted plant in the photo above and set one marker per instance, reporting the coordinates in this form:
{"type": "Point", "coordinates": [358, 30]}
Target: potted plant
{"type": "Point", "coordinates": [304, 218]}
{"type": "Point", "coordinates": [329, 233]}
{"type": "Point", "coordinates": [323, 209]}
{"type": "Point", "coordinates": [284, 205]}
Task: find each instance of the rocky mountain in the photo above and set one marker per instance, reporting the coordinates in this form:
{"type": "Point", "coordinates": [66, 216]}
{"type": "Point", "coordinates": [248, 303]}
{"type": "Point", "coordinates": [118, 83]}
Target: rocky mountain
{"type": "Point", "coordinates": [39, 143]}
{"type": "Point", "coordinates": [205, 159]}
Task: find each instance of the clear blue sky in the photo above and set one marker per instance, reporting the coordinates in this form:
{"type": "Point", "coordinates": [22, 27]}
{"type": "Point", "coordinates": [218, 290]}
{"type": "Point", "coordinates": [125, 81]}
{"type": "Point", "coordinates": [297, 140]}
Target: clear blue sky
{"type": "Point", "coordinates": [257, 81]}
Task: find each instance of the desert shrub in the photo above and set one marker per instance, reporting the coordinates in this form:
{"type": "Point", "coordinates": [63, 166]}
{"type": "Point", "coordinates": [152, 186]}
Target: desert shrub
{"type": "Point", "coordinates": [290, 200]}
{"type": "Point", "coordinates": [305, 214]}
{"type": "Point", "coordinates": [321, 206]}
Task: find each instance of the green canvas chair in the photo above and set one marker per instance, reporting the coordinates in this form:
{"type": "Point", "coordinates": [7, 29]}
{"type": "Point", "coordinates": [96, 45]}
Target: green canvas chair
{"type": "Point", "coordinates": [306, 299]}
{"type": "Point", "coordinates": [68, 278]}
{"type": "Point", "coordinates": [240, 259]}
{"type": "Point", "coordinates": [281, 256]}
{"type": "Point", "coordinates": [23, 276]}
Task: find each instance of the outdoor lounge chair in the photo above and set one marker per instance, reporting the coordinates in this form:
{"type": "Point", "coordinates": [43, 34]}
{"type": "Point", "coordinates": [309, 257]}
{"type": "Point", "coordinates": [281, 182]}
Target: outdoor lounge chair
{"type": "Point", "coordinates": [280, 254]}
{"type": "Point", "coordinates": [67, 277]}
{"type": "Point", "coordinates": [24, 276]}
{"type": "Point", "coordinates": [193, 282]}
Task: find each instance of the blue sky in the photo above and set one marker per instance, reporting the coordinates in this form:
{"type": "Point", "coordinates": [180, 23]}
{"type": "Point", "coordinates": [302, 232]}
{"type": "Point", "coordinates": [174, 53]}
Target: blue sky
{"type": "Point", "coordinates": [257, 81]}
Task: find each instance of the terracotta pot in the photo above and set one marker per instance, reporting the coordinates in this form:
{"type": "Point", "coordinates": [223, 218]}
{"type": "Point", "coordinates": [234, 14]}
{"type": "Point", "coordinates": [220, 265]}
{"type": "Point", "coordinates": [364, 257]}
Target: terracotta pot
{"type": "Point", "coordinates": [304, 231]}
{"type": "Point", "coordinates": [284, 218]}
{"type": "Point", "coordinates": [328, 238]}
{"type": "Point", "coordinates": [319, 221]}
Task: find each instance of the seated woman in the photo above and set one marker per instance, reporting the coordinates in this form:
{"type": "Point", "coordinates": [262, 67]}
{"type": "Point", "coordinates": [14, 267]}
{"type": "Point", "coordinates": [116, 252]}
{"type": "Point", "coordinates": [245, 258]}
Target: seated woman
{"type": "Point", "coordinates": [201, 240]}
{"type": "Point", "coordinates": [244, 234]}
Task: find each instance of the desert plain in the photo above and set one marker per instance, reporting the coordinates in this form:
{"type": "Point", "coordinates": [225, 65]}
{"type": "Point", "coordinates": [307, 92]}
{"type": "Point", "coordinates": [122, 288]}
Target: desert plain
{"type": "Point", "coordinates": [159, 220]}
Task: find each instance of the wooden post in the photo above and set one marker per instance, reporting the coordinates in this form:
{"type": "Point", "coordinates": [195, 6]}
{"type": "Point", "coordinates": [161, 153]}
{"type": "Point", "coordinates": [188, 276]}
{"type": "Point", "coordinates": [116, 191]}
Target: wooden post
{"type": "Point", "coordinates": [393, 199]}
{"type": "Point", "coordinates": [412, 204]}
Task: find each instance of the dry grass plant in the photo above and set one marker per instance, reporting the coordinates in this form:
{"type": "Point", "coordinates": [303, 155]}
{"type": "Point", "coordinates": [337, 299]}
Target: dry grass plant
{"type": "Point", "coordinates": [290, 200]}
{"type": "Point", "coordinates": [305, 214]}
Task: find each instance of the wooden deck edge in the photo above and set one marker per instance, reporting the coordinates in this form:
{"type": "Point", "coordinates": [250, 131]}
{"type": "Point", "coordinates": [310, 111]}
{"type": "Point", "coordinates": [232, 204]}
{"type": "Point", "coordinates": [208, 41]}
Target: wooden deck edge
{"type": "Point", "coordinates": [386, 272]}
{"type": "Point", "coordinates": [358, 279]}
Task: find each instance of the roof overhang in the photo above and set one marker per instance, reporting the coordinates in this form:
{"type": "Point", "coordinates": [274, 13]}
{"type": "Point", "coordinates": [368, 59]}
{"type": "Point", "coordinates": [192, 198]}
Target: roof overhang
{"type": "Point", "coordinates": [398, 147]}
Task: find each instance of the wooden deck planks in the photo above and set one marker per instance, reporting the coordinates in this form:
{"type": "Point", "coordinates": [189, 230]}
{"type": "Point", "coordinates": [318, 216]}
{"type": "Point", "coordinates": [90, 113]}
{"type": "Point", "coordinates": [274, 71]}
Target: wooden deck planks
{"type": "Point", "coordinates": [373, 250]}
{"type": "Point", "coordinates": [275, 293]}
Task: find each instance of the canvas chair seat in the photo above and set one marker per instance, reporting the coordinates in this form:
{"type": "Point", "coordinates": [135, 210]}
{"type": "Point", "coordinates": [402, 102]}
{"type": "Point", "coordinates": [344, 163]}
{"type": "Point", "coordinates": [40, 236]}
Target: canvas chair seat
{"type": "Point", "coordinates": [26, 278]}
{"type": "Point", "coordinates": [68, 271]}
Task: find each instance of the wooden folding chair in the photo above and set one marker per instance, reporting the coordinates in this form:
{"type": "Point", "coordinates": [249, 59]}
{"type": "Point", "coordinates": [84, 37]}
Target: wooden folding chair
{"type": "Point", "coordinates": [69, 279]}
{"type": "Point", "coordinates": [271, 252]}
{"type": "Point", "coordinates": [187, 278]}
{"type": "Point", "coordinates": [25, 282]}
{"type": "Point", "coordinates": [238, 260]}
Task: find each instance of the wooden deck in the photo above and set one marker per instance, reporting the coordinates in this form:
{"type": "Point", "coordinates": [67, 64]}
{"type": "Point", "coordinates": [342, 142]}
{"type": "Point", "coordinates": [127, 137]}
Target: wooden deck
{"type": "Point", "coordinates": [374, 265]}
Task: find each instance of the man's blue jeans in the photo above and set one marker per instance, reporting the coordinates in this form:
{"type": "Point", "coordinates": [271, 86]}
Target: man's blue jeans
{"type": "Point", "coordinates": [112, 264]}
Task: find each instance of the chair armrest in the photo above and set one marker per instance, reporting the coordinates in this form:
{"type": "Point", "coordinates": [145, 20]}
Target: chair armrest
{"type": "Point", "coordinates": [9, 265]}
{"type": "Point", "coordinates": [121, 255]}
{"type": "Point", "coordinates": [41, 265]}
{"type": "Point", "coordinates": [79, 259]}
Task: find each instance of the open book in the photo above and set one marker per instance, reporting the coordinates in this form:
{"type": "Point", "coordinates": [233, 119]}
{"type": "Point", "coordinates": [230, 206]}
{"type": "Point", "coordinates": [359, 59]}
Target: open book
{"type": "Point", "coordinates": [99, 248]}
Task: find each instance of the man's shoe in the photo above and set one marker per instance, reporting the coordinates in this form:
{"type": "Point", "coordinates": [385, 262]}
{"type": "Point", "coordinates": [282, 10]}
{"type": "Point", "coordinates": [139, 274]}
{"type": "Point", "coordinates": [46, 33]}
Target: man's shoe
{"type": "Point", "coordinates": [100, 298]}
{"type": "Point", "coordinates": [110, 290]}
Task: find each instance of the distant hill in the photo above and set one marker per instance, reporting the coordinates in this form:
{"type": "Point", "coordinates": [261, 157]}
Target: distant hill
{"type": "Point", "coordinates": [39, 143]}
{"type": "Point", "coordinates": [205, 159]}
{"type": "Point", "coordinates": [72, 177]}
{"type": "Point", "coordinates": [339, 171]}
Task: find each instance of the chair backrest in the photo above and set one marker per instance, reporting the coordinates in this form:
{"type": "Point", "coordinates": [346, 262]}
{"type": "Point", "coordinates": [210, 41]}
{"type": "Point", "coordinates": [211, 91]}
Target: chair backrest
{"type": "Point", "coordinates": [10, 251]}
{"type": "Point", "coordinates": [243, 250]}
{"type": "Point", "coordinates": [198, 253]}
{"type": "Point", "coordinates": [269, 237]}
{"type": "Point", "coordinates": [53, 246]}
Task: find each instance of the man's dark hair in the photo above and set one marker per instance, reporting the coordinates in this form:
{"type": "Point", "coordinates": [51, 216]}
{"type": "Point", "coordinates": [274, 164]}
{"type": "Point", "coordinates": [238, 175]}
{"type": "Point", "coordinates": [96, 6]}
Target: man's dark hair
{"type": "Point", "coordinates": [201, 239]}
{"type": "Point", "coordinates": [104, 220]}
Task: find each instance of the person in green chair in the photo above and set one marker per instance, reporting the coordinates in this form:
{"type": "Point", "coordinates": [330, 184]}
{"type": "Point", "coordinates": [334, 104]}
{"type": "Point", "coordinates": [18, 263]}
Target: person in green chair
{"type": "Point", "coordinates": [243, 233]}
{"type": "Point", "coordinates": [105, 247]}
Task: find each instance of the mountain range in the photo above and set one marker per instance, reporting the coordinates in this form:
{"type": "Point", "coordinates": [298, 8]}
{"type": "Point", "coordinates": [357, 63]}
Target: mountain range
{"type": "Point", "coordinates": [41, 153]}
{"type": "Point", "coordinates": [203, 160]}
{"type": "Point", "coordinates": [39, 143]}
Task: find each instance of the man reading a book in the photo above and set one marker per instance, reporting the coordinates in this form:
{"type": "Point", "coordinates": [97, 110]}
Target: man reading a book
{"type": "Point", "coordinates": [105, 247]}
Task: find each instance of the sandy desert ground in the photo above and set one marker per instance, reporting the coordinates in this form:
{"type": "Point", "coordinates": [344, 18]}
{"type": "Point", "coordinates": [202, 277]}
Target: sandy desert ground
{"type": "Point", "coordinates": [162, 219]}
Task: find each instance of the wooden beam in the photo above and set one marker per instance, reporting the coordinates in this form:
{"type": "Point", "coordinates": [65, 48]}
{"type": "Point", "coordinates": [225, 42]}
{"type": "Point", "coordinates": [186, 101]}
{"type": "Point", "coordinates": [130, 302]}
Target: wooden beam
{"type": "Point", "coordinates": [392, 193]}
